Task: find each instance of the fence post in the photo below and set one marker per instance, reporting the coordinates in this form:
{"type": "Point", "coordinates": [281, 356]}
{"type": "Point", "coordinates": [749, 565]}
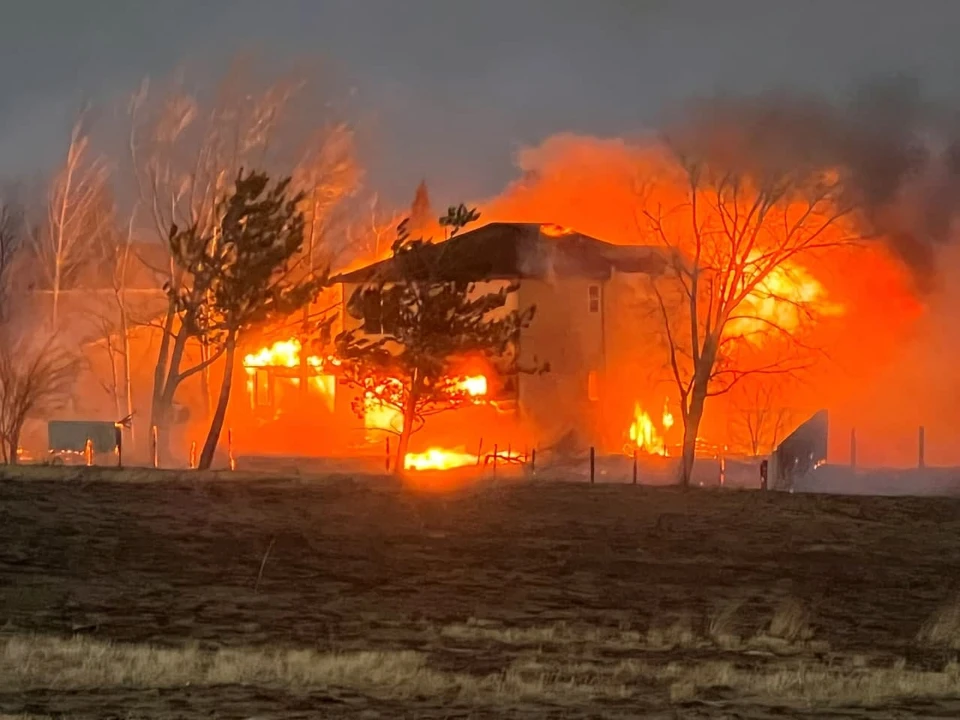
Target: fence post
{"type": "Point", "coordinates": [479, 452]}
{"type": "Point", "coordinates": [921, 463]}
{"type": "Point", "coordinates": [634, 466]}
{"type": "Point", "coordinates": [494, 459]}
{"type": "Point", "coordinates": [593, 464]}
{"type": "Point", "coordinates": [533, 461]}
{"type": "Point", "coordinates": [853, 448]}
{"type": "Point", "coordinates": [155, 446]}
{"type": "Point", "coordinates": [233, 463]}
{"type": "Point", "coordinates": [386, 463]}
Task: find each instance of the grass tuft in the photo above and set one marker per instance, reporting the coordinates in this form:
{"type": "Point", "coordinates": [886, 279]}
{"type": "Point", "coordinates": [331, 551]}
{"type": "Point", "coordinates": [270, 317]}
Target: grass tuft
{"type": "Point", "coordinates": [942, 628]}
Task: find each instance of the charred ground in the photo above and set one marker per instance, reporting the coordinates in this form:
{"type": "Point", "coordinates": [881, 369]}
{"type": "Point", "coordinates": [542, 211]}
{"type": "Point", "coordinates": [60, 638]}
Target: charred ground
{"type": "Point", "coordinates": [212, 597]}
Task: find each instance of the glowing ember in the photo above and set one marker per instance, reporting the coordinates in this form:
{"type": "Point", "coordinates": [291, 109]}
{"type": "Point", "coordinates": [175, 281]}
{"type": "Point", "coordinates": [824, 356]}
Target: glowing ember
{"type": "Point", "coordinates": [645, 433]}
{"type": "Point", "coordinates": [474, 386]}
{"type": "Point", "coordinates": [554, 230]}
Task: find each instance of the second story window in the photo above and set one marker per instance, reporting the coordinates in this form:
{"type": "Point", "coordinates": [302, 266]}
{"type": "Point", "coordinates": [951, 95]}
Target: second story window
{"type": "Point", "coordinates": [372, 313]}
{"type": "Point", "coordinates": [593, 298]}
{"type": "Point", "coordinates": [380, 311]}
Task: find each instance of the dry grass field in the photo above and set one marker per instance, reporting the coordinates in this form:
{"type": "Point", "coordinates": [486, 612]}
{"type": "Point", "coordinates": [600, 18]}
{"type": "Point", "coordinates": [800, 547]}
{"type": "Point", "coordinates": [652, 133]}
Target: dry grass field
{"type": "Point", "coordinates": [167, 596]}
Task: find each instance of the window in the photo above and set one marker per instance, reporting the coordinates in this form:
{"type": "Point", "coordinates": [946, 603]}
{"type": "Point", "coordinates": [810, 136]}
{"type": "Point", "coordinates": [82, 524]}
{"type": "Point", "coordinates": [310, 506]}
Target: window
{"type": "Point", "coordinates": [263, 388]}
{"type": "Point", "coordinates": [593, 297]}
{"type": "Point", "coordinates": [593, 386]}
{"type": "Point", "coordinates": [381, 311]}
{"type": "Point", "coordinates": [372, 312]}
{"type": "Point", "coordinates": [389, 311]}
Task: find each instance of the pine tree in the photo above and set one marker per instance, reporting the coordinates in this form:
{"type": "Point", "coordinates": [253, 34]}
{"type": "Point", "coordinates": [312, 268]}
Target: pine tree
{"type": "Point", "coordinates": [422, 220]}
{"type": "Point", "coordinates": [432, 323]}
{"type": "Point", "coordinates": [245, 274]}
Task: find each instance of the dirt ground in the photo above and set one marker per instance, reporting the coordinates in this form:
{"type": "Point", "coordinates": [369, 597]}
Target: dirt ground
{"type": "Point", "coordinates": [192, 596]}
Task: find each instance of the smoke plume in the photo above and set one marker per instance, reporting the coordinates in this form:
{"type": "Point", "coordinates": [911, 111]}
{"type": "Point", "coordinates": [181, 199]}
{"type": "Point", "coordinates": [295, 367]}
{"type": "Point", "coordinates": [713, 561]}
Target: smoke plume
{"type": "Point", "coordinates": [898, 155]}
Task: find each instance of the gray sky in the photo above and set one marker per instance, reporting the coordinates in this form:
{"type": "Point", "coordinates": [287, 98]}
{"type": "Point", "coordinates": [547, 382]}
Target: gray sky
{"type": "Point", "coordinates": [448, 89]}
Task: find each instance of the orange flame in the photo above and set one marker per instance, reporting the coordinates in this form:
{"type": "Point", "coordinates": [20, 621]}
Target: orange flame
{"type": "Point", "coordinates": [475, 385]}
{"type": "Point", "coordinates": [644, 432]}
{"type": "Point", "coordinates": [438, 459]}
{"type": "Point", "coordinates": [380, 416]}
{"type": "Point", "coordinates": [283, 353]}
{"type": "Point", "coordinates": [779, 300]}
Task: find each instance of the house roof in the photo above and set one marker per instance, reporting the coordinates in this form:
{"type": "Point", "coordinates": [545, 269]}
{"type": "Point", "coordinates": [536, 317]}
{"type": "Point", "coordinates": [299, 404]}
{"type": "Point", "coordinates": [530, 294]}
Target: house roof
{"type": "Point", "coordinates": [512, 251]}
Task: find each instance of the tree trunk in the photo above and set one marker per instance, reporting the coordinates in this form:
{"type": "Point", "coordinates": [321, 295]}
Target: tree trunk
{"type": "Point", "coordinates": [160, 370]}
{"type": "Point", "coordinates": [216, 425]}
{"type": "Point", "coordinates": [15, 445]}
{"type": "Point", "coordinates": [114, 378]}
{"type": "Point", "coordinates": [403, 445]}
{"type": "Point", "coordinates": [162, 406]}
{"type": "Point", "coordinates": [127, 379]}
{"type": "Point", "coordinates": [692, 415]}
{"type": "Point", "coordinates": [304, 369]}
{"type": "Point", "coordinates": [205, 381]}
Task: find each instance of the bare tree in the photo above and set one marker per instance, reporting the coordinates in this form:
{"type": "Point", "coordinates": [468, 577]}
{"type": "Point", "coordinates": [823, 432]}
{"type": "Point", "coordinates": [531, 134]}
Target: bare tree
{"type": "Point", "coordinates": [327, 174]}
{"type": "Point", "coordinates": [370, 236]}
{"type": "Point", "coordinates": [115, 320]}
{"type": "Point", "coordinates": [36, 377]}
{"type": "Point", "coordinates": [759, 415]}
{"type": "Point", "coordinates": [732, 230]}
{"type": "Point", "coordinates": [74, 217]}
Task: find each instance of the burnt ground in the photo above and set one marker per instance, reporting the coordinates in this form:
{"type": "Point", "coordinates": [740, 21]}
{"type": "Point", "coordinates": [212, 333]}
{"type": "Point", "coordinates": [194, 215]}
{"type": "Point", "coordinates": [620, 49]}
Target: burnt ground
{"type": "Point", "coordinates": [519, 600]}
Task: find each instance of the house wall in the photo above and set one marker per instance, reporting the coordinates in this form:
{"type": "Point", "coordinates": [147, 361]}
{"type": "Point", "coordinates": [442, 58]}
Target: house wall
{"type": "Point", "coordinates": [636, 373]}
{"type": "Point", "coordinates": [570, 337]}
{"type": "Point", "coordinates": [479, 289]}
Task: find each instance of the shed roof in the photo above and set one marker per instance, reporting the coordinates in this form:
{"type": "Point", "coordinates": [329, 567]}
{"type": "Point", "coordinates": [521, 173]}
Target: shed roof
{"type": "Point", "coordinates": [512, 251]}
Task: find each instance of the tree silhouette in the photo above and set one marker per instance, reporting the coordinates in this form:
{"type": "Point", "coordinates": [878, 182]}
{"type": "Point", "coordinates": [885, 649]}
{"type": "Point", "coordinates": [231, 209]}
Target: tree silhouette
{"type": "Point", "coordinates": [243, 274]}
{"type": "Point", "coordinates": [734, 233]}
{"type": "Point", "coordinates": [430, 322]}
{"type": "Point", "coordinates": [421, 213]}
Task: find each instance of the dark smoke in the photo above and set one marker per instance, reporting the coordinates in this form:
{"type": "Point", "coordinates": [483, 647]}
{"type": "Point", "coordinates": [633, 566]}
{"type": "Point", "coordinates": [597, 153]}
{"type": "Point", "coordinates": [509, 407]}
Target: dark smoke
{"type": "Point", "coordinates": [899, 156]}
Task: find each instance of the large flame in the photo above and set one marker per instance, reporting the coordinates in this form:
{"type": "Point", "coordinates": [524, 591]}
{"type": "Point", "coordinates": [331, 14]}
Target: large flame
{"type": "Point", "coordinates": [378, 415]}
{"type": "Point", "coordinates": [787, 295]}
{"type": "Point", "coordinates": [598, 186]}
{"type": "Point", "coordinates": [474, 385]}
{"type": "Point", "coordinates": [283, 353]}
{"type": "Point", "coordinates": [648, 435]}
{"type": "Point", "coordinates": [286, 354]}
{"type": "Point", "coordinates": [437, 458]}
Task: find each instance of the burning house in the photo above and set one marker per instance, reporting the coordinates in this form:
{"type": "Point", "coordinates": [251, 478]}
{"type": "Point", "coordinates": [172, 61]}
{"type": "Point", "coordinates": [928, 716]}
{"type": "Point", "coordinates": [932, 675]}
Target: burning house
{"type": "Point", "coordinates": [585, 292]}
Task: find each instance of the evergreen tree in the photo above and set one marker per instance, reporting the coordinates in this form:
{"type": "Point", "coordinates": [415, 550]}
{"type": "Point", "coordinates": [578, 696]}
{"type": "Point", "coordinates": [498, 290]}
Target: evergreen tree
{"type": "Point", "coordinates": [421, 217]}
{"type": "Point", "coordinates": [244, 275]}
{"type": "Point", "coordinates": [430, 322]}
